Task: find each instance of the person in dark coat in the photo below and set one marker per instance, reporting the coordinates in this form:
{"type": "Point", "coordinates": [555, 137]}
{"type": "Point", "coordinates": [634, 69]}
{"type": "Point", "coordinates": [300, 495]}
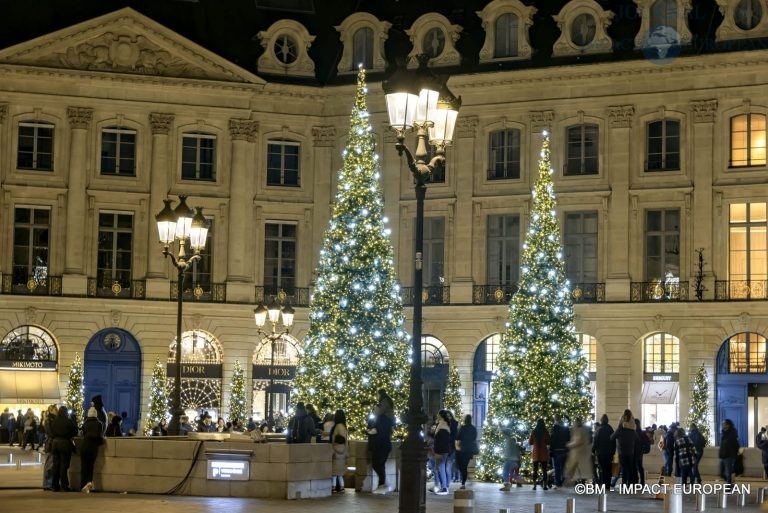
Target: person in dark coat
{"type": "Point", "coordinates": [604, 447]}
{"type": "Point", "coordinates": [380, 443]}
{"type": "Point", "coordinates": [10, 426]}
{"type": "Point", "coordinates": [761, 442]}
{"type": "Point", "coordinates": [625, 437]}
{"type": "Point", "coordinates": [540, 441]}
{"type": "Point", "coordinates": [669, 451]}
{"type": "Point", "coordinates": [63, 430]}
{"type": "Point", "coordinates": [466, 447]}
{"type": "Point", "coordinates": [89, 448]}
{"type": "Point", "coordinates": [115, 427]}
{"type": "Point", "coordinates": [699, 443]}
{"type": "Point", "coordinates": [642, 446]}
{"type": "Point", "coordinates": [558, 448]}
{"type": "Point", "coordinates": [729, 449]}
{"type": "Point", "coordinates": [101, 412]}
{"type": "Point", "coordinates": [302, 426]}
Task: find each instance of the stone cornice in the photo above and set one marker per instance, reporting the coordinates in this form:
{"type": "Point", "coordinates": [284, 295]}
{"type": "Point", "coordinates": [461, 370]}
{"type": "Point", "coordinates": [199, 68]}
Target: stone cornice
{"type": "Point", "coordinates": [324, 136]}
{"type": "Point", "coordinates": [160, 122]}
{"type": "Point", "coordinates": [704, 111]}
{"type": "Point", "coordinates": [79, 117]}
{"type": "Point", "coordinates": [620, 116]}
{"type": "Point", "coordinates": [243, 129]}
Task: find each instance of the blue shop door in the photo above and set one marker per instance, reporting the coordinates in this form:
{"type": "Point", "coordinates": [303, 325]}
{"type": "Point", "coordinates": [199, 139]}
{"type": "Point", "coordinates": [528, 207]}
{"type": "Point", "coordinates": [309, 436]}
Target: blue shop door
{"type": "Point", "coordinates": [112, 369]}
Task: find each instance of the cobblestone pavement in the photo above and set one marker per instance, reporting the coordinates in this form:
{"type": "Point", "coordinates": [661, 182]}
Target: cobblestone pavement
{"type": "Point", "coordinates": [20, 488]}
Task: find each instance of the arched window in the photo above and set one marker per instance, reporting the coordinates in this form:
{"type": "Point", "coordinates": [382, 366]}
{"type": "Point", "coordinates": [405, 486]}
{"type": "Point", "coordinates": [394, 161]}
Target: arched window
{"type": "Point", "coordinates": [661, 353]}
{"type": "Point", "coordinates": [433, 352]}
{"type": "Point", "coordinates": [748, 140]}
{"type": "Point", "coordinates": [286, 352]}
{"type": "Point", "coordinates": [197, 346]}
{"type": "Point", "coordinates": [664, 14]}
{"type": "Point", "coordinates": [747, 353]}
{"type": "Point", "coordinates": [28, 343]}
{"type": "Point", "coordinates": [362, 47]}
{"type": "Point", "coordinates": [506, 36]}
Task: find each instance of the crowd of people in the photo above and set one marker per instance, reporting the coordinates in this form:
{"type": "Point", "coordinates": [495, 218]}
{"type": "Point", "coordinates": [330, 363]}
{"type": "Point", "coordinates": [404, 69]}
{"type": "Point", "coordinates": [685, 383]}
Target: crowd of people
{"type": "Point", "coordinates": [450, 448]}
{"type": "Point", "coordinates": [604, 455]}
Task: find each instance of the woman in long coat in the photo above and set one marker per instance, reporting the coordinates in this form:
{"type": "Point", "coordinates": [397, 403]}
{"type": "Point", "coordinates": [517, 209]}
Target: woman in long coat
{"type": "Point", "coordinates": [539, 441]}
{"type": "Point", "coordinates": [340, 443]}
{"type": "Point", "coordinates": [578, 466]}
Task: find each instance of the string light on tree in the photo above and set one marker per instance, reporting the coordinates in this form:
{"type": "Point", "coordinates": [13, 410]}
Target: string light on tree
{"type": "Point", "coordinates": [158, 398]}
{"type": "Point", "coordinates": [237, 395]}
{"type": "Point", "coordinates": [356, 337]}
{"type": "Point", "coordinates": [699, 414]}
{"type": "Point", "coordinates": [452, 397]}
{"type": "Point", "coordinates": [75, 391]}
{"type": "Point", "coordinates": [537, 353]}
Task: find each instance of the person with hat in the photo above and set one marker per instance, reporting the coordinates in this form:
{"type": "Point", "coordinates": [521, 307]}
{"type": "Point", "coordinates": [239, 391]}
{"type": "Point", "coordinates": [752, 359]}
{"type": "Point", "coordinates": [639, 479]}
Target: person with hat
{"type": "Point", "coordinates": [89, 448]}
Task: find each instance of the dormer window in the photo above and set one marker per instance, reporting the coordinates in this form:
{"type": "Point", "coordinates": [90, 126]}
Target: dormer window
{"type": "Point", "coordinates": [433, 35]}
{"type": "Point", "coordinates": [583, 29]}
{"type": "Point", "coordinates": [583, 26]}
{"type": "Point", "coordinates": [285, 50]}
{"type": "Point", "coordinates": [748, 14]}
{"type": "Point", "coordinates": [363, 37]}
{"type": "Point", "coordinates": [434, 42]}
{"type": "Point", "coordinates": [742, 18]}
{"type": "Point", "coordinates": [506, 24]}
{"type": "Point", "coordinates": [658, 16]}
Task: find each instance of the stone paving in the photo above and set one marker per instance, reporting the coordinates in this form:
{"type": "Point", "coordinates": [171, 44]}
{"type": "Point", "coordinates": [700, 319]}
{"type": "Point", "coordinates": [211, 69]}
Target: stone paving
{"type": "Point", "coordinates": [20, 488]}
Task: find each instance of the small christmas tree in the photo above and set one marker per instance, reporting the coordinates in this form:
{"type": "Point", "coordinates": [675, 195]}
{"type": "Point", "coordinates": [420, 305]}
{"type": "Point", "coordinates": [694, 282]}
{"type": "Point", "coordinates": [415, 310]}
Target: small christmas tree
{"type": "Point", "coordinates": [237, 395]}
{"type": "Point", "coordinates": [75, 392]}
{"type": "Point", "coordinates": [452, 397]}
{"type": "Point", "coordinates": [158, 398]}
{"type": "Point", "coordinates": [699, 414]}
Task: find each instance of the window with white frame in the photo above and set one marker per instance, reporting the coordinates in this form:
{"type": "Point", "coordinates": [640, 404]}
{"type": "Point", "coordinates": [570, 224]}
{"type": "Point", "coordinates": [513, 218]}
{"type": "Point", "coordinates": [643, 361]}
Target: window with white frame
{"type": "Point", "coordinates": [433, 352]}
{"type": "Point", "coordinates": [661, 353]}
{"type": "Point", "coordinates": [31, 245]}
{"type": "Point", "coordinates": [35, 150]}
{"type": "Point", "coordinates": [279, 257]}
{"type": "Point", "coordinates": [198, 156]}
{"type": "Point", "coordinates": [503, 266]}
{"type": "Point", "coordinates": [582, 156]}
{"type": "Point", "coordinates": [115, 249]}
{"type": "Point", "coordinates": [663, 145]}
{"type": "Point", "coordinates": [748, 135]}
{"type": "Point", "coordinates": [434, 251]}
{"type": "Point", "coordinates": [580, 236]}
{"type": "Point", "coordinates": [283, 158]}
{"type": "Point", "coordinates": [662, 245]}
{"type": "Point", "coordinates": [118, 151]}
{"type": "Point", "coordinates": [748, 250]}
{"type": "Point", "coordinates": [504, 154]}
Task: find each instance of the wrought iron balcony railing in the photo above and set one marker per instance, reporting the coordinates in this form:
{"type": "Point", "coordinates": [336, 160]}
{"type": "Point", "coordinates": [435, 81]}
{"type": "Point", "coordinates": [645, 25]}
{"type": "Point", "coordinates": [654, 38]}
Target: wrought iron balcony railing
{"type": "Point", "coordinates": [294, 296]}
{"type": "Point", "coordinates": [493, 294]}
{"type": "Point", "coordinates": [588, 293]}
{"type": "Point", "coordinates": [204, 293]}
{"type": "Point", "coordinates": [741, 290]}
{"type": "Point", "coordinates": [116, 290]}
{"type": "Point", "coordinates": [48, 286]}
{"type": "Point", "coordinates": [432, 295]}
{"type": "Point", "coordinates": [651, 291]}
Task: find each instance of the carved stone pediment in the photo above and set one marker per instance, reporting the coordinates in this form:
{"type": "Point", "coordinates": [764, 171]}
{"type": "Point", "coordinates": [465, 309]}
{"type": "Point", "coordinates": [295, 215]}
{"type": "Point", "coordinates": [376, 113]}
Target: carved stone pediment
{"type": "Point", "coordinates": [125, 41]}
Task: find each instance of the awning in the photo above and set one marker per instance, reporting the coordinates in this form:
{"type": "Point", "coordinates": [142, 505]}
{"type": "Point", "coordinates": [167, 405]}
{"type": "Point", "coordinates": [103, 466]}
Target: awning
{"type": "Point", "coordinates": [659, 392]}
{"type": "Point", "coordinates": [25, 387]}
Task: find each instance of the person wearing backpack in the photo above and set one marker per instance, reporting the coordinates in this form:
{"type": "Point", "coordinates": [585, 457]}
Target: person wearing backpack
{"type": "Point", "coordinates": [302, 427]}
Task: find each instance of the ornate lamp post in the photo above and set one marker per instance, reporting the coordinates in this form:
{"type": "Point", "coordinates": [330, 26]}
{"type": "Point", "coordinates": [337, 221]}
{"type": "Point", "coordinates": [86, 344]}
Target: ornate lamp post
{"type": "Point", "coordinates": [273, 311]}
{"type": "Point", "coordinates": [418, 102]}
{"type": "Point", "coordinates": [180, 224]}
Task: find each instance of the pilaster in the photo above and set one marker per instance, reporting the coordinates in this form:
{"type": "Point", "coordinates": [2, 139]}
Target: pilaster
{"type": "Point", "coordinates": [324, 139]}
{"type": "Point", "coordinates": [464, 155]}
{"type": "Point", "coordinates": [158, 284]}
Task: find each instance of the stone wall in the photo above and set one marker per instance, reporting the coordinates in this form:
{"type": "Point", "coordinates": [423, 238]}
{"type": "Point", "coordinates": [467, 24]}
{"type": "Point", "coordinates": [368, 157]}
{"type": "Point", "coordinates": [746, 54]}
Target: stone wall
{"type": "Point", "coordinates": [365, 477]}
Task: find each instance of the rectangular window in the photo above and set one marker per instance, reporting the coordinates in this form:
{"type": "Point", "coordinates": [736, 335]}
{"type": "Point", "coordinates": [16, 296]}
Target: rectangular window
{"type": "Point", "coordinates": [200, 273]}
{"type": "Point", "coordinates": [582, 154]}
{"type": "Point", "coordinates": [115, 253]}
{"type": "Point", "coordinates": [35, 146]}
{"type": "Point", "coordinates": [662, 245]}
{"type": "Point", "coordinates": [747, 249]}
{"type": "Point", "coordinates": [663, 145]}
{"type": "Point", "coordinates": [434, 252]}
{"type": "Point", "coordinates": [279, 257]}
{"type": "Point", "coordinates": [748, 133]}
{"type": "Point", "coordinates": [438, 174]}
{"type": "Point", "coordinates": [503, 250]}
{"type": "Point", "coordinates": [283, 163]}
{"type": "Point", "coordinates": [506, 28]}
{"type": "Point", "coordinates": [118, 151]}
{"type": "Point", "coordinates": [580, 236]}
{"type": "Point", "coordinates": [198, 157]}
{"type": "Point", "coordinates": [362, 48]}
{"type": "Point", "coordinates": [31, 235]}
{"type": "Point", "coordinates": [504, 154]}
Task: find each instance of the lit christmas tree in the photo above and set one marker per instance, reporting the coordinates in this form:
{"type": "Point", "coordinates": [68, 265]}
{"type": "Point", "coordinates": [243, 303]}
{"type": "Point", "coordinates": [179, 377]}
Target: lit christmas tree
{"type": "Point", "coordinates": [158, 398]}
{"type": "Point", "coordinates": [699, 414]}
{"type": "Point", "coordinates": [356, 342]}
{"type": "Point", "coordinates": [75, 392]}
{"type": "Point", "coordinates": [452, 397]}
{"type": "Point", "coordinates": [540, 369]}
{"type": "Point", "coordinates": [237, 395]}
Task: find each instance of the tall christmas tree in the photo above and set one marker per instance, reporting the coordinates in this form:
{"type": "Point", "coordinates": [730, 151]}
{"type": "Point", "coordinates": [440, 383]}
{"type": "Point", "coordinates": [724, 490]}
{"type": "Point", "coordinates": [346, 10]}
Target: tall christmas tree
{"type": "Point", "coordinates": [699, 414]}
{"type": "Point", "coordinates": [75, 392]}
{"type": "Point", "coordinates": [540, 369]}
{"type": "Point", "coordinates": [158, 398]}
{"type": "Point", "coordinates": [452, 397]}
{"type": "Point", "coordinates": [356, 342]}
{"type": "Point", "coordinates": [237, 395]}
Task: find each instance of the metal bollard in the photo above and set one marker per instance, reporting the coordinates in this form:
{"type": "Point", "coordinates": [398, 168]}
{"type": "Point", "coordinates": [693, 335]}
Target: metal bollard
{"type": "Point", "coordinates": [570, 505]}
{"type": "Point", "coordinates": [722, 500]}
{"type": "Point", "coordinates": [538, 508]}
{"type": "Point", "coordinates": [673, 503]}
{"type": "Point", "coordinates": [505, 510]}
{"type": "Point", "coordinates": [602, 503]}
{"type": "Point", "coordinates": [18, 464]}
{"type": "Point", "coordinates": [741, 500]}
{"type": "Point", "coordinates": [463, 501]}
{"type": "Point", "coordinates": [10, 457]}
{"type": "Point", "coordinates": [760, 495]}
{"type": "Point", "coordinates": [39, 458]}
{"type": "Point", "coordinates": [701, 502]}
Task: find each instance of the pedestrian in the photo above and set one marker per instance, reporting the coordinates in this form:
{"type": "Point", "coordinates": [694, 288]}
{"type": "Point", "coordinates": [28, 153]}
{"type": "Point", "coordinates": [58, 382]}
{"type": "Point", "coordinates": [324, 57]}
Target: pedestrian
{"type": "Point", "coordinates": [540, 441]}
{"type": "Point", "coordinates": [604, 448]}
{"type": "Point", "coordinates": [89, 448]}
{"type": "Point", "coordinates": [302, 427]}
{"type": "Point", "coordinates": [685, 455]}
{"type": "Point", "coordinates": [19, 434]}
{"type": "Point", "coordinates": [63, 430]}
{"type": "Point", "coordinates": [761, 442]}
{"type": "Point", "coordinates": [10, 426]}
{"type": "Point", "coordinates": [30, 430]}
{"type": "Point", "coordinates": [3, 425]}
{"type": "Point", "coordinates": [101, 412]}
{"type": "Point", "coordinates": [510, 472]}
{"type": "Point", "coordinates": [115, 427]}
{"type": "Point", "coordinates": [451, 469]}
{"type": "Point", "coordinates": [466, 447]}
{"type": "Point", "coordinates": [340, 443]}
{"type": "Point", "coordinates": [442, 449]}
{"type": "Point", "coordinates": [221, 426]}
{"type": "Point", "coordinates": [699, 443]}
{"type": "Point", "coordinates": [318, 422]}
{"type": "Point", "coordinates": [49, 417]}
{"type": "Point", "coordinates": [558, 448]}
{"type": "Point", "coordinates": [625, 437]}
{"type": "Point", "coordinates": [380, 440]}
{"type": "Point", "coordinates": [642, 446]}
{"type": "Point", "coordinates": [669, 449]}
{"type": "Point", "coordinates": [578, 464]}
{"type": "Point", "coordinates": [729, 449]}
{"type": "Point", "coordinates": [328, 423]}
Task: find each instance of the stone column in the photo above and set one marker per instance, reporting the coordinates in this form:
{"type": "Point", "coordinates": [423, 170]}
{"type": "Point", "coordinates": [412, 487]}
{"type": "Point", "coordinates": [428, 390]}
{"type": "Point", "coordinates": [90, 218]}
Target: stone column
{"type": "Point", "coordinates": [462, 164]}
{"type": "Point", "coordinates": [239, 266]}
{"type": "Point", "coordinates": [617, 168]}
{"type": "Point", "coordinates": [324, 138]}
{"type": "Point", "coordinates": [74, 280]}
{"type": "Point", "coordinates": [703, 141]}
{"type": "Point", "coordinates": [157, 268]}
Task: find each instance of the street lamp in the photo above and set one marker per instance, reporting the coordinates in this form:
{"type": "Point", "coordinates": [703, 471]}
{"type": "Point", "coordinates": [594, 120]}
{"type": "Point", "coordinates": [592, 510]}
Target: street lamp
{"type": "Point", "coordinates": [418, 102]}
{"type": "Point", "coordinates": [273, 311]}
{"type": "Point", "coordinates": [180, 224]}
